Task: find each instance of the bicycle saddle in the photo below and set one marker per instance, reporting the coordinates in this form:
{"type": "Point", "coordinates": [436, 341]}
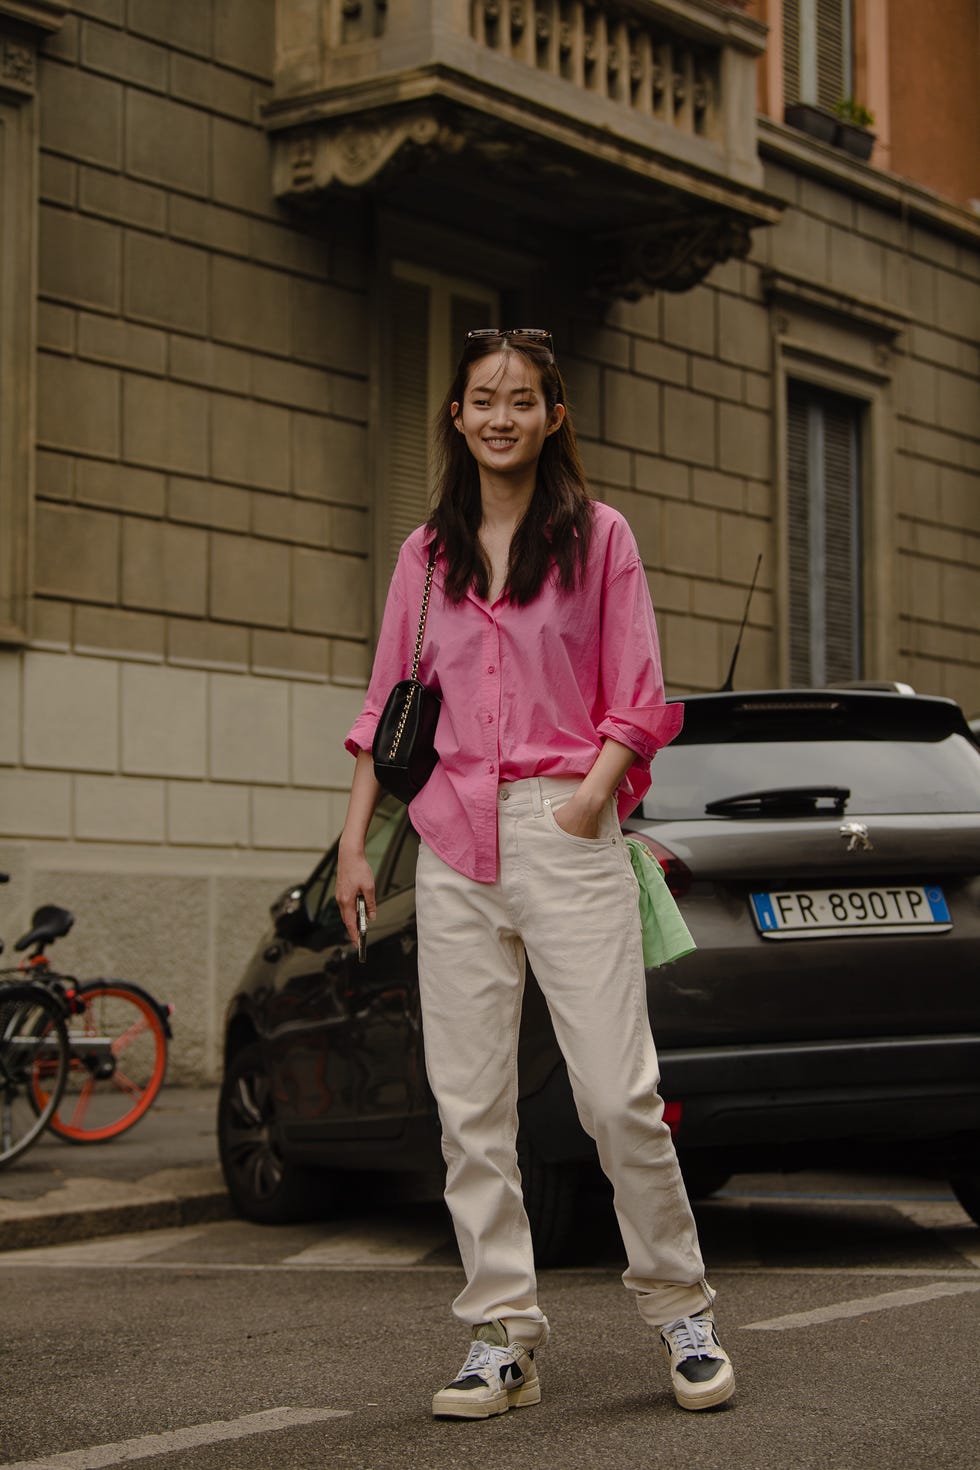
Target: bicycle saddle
{"type": "Point", "coordinates": [48, 923]}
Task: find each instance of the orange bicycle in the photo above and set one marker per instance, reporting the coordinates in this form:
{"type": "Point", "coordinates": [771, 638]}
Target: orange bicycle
{"type": "Point", "coordinates": [118, 1038]}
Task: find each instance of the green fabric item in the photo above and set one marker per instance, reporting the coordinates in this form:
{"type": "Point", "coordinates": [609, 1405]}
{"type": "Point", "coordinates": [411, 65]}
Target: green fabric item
{"type": "Point", "coordinates": [665, 935]}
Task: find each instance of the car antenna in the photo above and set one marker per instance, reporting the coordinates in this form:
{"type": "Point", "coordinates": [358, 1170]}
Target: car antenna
{"type": "Point", "coordinates": [729, 683]}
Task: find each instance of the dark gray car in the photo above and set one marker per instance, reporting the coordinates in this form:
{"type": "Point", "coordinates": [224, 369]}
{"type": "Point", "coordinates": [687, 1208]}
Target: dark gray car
{"type": "Point", "coordinates": [824, 847]}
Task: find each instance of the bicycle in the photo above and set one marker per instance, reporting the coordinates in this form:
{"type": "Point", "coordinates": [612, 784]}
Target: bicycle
{"type": "Point", "coordinates": [118, 1038]}
{"type": "Point", "coordinates": [33, 1044]}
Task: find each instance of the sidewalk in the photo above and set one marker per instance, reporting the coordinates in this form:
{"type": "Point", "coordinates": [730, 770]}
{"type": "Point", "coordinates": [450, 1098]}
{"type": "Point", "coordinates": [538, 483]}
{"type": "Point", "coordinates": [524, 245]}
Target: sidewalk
{"type": "Point", "coordinates": [163, 1172]}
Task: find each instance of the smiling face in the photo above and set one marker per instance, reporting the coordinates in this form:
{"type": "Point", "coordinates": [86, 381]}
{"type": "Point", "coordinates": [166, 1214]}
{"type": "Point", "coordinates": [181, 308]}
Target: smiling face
{"type": "Point", "coordinates": [504, 416]}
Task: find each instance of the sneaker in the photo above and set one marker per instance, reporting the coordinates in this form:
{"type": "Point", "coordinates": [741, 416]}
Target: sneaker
{"type": "Point", "coordinates": [700, 1369]}
{"type": "Point", "coordinates": [496, 1376]}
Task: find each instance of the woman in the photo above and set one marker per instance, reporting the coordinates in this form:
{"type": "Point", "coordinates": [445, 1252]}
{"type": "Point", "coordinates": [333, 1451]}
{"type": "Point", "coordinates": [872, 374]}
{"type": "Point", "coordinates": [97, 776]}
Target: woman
{"type": "Point", "coordinates": [541, 639]}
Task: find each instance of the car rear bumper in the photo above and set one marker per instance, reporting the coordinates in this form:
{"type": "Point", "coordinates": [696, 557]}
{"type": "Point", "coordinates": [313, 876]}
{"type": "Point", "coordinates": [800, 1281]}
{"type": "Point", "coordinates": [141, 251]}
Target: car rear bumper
{"type": "Point", "coordinates": [874, 1090]}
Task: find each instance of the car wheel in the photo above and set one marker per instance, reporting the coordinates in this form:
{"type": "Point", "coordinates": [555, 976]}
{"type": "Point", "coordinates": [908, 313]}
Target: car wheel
{"type": "Point", "coordinates": [264, 1185]}
{"type": "Point", "coordinates": [966, 1187]}
{"type": "Point", "coordinates": [549, 1197]}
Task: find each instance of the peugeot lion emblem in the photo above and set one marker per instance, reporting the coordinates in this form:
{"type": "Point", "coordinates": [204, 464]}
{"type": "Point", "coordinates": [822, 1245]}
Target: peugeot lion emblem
{"type": "Point", "coordinates": [856, 836]}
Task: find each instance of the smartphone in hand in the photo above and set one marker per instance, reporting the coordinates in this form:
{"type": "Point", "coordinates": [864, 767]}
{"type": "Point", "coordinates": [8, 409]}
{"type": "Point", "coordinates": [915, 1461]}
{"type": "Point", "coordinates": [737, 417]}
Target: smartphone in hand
{"type": "Point", "coordinates": [361, 929]}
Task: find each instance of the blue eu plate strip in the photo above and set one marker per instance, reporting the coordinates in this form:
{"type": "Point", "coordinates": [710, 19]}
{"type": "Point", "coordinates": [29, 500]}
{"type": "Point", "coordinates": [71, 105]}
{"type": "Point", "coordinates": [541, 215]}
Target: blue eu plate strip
{"type": "Point", "coordinates": [935, 900]}
{"type": "Point", "coordinates": [764, 911]}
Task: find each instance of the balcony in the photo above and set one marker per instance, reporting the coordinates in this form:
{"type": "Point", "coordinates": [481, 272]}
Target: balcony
{"type": "Point", "coordinates": [630, 124]}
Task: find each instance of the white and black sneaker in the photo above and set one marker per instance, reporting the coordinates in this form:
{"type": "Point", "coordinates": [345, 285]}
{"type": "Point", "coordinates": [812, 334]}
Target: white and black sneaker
{"type": "Point", "coordinates": [496, 1376]}
{"type": "Point", "coordinates": [700, 1369]}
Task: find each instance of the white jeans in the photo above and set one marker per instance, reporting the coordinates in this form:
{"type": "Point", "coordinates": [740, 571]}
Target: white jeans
{"type": "Point", "coordinates": [571, 903]}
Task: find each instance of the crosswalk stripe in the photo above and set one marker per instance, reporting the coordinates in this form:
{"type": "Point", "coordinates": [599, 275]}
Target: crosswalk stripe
{"type": "Point", "coordinates": [860, 1306]}
{"type": "Point", "coordinates": [101, 1456]}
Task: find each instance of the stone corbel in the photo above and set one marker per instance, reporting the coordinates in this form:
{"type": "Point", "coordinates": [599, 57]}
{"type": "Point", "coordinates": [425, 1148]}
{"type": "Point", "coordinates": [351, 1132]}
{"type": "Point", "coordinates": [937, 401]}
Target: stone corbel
{"type": "Point", "coordinates": [671, 257]}
{"type": "Point", "coordinates": [23, 25]}
{"type": "Point", "coordinates": [355, 153]}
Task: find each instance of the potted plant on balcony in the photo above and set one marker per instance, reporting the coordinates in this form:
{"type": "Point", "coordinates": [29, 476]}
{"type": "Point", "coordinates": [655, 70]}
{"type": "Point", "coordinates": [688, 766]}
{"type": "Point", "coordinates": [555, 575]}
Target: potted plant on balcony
{"type": "Point", "coordinates": [819, 122]}
{"type": "Point", "coordinates": [854, 123]}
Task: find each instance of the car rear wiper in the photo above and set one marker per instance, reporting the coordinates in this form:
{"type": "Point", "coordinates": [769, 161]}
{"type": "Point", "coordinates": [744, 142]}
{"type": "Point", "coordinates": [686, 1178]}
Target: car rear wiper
{"type": "Point", "coordinates": [783, 801]}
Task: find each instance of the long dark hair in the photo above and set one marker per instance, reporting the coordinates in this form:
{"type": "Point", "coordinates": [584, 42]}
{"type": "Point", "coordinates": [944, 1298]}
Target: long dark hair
{"type": "Point", "coordinates": [558, 522]}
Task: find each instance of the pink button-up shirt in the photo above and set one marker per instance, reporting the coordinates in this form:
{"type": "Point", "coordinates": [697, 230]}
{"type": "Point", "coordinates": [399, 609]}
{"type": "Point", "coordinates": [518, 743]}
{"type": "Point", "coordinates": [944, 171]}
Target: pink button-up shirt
{"type": "Point", "coordinates": [526, 691]}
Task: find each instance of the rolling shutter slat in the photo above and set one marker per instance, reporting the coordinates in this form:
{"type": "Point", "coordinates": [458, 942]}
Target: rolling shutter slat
{"type": "Point", "coordinates": [408, 465]}
{"type": "Point", "coordinates": [825, 611]}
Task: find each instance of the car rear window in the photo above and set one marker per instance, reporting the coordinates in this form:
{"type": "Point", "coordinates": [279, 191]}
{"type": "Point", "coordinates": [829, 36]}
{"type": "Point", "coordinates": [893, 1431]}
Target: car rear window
{"type": "Point", "coordinates": [896, 776]}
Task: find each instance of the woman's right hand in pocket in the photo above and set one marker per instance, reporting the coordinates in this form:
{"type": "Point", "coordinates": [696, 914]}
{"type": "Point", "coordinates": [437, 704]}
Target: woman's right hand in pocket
{"type": "Point", "coordinates": [354, 876]}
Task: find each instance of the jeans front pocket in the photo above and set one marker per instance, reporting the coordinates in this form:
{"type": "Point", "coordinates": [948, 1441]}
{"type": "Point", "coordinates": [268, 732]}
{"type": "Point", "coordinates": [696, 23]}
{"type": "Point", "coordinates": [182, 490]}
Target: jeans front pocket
{"type": "Point", "coordinates": [608, 825]}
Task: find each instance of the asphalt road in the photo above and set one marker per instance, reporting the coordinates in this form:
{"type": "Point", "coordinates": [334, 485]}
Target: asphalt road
{"type": "Point", "coordinates": [850, 1306]}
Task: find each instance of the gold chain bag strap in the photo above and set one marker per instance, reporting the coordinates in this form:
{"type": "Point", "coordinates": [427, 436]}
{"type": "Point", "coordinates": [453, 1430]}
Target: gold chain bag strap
{"type": "Point", "coordinates": [404, 749]}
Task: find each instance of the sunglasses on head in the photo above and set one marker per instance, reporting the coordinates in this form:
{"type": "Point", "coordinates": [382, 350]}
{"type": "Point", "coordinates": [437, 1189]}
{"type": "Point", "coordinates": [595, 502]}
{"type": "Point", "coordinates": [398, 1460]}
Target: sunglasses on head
{"type": "Point", "coordinates": [532, 334]}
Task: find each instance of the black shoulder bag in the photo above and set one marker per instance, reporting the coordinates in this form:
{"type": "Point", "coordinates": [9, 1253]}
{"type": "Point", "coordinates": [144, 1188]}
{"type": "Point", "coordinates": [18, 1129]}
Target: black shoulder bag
{"type": "Point", "coordinates": [404, 748]}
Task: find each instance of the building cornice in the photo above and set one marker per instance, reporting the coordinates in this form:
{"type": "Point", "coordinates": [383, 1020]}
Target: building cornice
{"type": "Point", "coordinates": [890, 192]}
{"type": "Point", "coordinates": [44, 16]}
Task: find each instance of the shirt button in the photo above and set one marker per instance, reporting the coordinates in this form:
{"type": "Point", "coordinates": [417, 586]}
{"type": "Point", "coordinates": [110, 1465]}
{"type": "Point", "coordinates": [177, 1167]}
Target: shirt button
{"type": "Point", "coordinates": [490, 769]}
{"type": "Point", "coordinates": [489, 719]}
{"type": "Point", "coordinates": [491, 668]}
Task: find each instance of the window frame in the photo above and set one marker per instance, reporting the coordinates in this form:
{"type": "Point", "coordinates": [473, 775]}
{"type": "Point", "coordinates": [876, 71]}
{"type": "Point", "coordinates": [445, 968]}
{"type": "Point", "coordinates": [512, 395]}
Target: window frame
{"type": "Point", "coordinates": [816, 403]}
{"type": "Point", "coordinates": [846, 363]}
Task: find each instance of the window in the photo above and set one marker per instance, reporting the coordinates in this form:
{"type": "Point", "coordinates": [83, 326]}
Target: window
{"type": "Point", "coordinates": [429, 315]}
{"type": "Point", "coordinates": [824, 518]}
{"type": "Point", "coordinates": [818, 51]}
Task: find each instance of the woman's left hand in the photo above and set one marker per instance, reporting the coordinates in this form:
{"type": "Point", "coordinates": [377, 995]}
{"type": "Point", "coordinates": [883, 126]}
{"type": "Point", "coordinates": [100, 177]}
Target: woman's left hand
{"type": "Point", "coordinates": [575, 818]}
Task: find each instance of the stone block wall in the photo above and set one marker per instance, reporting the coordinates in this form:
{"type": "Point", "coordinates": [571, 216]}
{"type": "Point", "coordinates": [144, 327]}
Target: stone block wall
{"type": "Point", "coordinates": [202, 379]}
{"type": "Point", "coordinates": [675, 402]}
{"type": "Point", "coordinates": [170, 742]}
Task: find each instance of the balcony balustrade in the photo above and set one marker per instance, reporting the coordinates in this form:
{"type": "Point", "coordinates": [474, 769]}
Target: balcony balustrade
{"type": "Point", "coordinates": [629, 122]}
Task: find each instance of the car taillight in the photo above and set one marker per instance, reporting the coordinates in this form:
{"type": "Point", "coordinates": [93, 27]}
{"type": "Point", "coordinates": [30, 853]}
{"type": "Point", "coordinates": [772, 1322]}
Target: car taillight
{"type": "Point", "coordinates": [678, 874]}
{"type": "Point", "coordinates": [672, 1116]}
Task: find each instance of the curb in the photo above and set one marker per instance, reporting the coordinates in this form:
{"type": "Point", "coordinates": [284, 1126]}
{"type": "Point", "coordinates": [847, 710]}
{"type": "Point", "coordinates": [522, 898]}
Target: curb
{"type": "Point", "coordinates": [59, 1218]}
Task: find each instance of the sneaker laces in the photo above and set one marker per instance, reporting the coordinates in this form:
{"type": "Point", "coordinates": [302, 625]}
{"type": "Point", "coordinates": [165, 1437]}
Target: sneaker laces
{"type": "Point", "coordinates": [691, 1337]}
{"type": "Point", "coordinates": [483, 1357]}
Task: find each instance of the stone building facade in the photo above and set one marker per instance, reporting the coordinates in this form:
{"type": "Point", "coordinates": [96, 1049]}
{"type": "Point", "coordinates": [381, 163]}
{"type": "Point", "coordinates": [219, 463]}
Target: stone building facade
{"type": "Point", "coordinates": [220, 352]}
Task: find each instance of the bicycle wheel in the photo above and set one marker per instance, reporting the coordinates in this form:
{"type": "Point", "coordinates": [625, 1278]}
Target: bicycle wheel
{"type": "Point", "coordinates": [118, 1044]}
{"type": "Point", "coordinates": [33, 1045]}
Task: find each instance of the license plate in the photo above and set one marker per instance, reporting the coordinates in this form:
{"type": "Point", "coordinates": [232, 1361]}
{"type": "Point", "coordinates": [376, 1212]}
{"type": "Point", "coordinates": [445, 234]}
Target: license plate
{"type": "Point", "coordinates": [813, 913]}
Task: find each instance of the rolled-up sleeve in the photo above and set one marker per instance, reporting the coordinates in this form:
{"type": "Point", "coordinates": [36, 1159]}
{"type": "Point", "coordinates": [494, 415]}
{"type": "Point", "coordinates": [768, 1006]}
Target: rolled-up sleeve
{"type": "Point", "coordinates": [633, 709]}
{"type": "Point", "coordinates": [396, 646]}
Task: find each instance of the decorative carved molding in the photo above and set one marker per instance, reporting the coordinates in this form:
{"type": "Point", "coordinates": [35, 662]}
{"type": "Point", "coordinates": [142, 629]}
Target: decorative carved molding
{"type": "Point", "coordinates": [672, 257]}
{"type": "Point", "coordinates": [355, 153]}
{"type": "Point", "coordinates": [23, 24]}
{"type": "Point", "coordinates": [18, 66]}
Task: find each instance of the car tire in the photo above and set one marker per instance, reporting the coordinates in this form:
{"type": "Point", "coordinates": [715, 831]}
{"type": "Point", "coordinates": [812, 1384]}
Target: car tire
{"type": "Point", "coordinates": [550, 1191]}
{"type": "Point", "coordinates": [966, 1187]}
{"type": "Point", "coordinates": [264, 1185]}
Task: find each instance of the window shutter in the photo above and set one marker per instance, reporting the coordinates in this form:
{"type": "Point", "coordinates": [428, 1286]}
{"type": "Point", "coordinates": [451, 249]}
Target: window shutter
{"type": "Point", "coordinates": [830, 52]}
{"type": "Point", "coordinates": [816, 51]}
{"type": "Point", "coordinates": [466, 315]}
{"type": "Point", "coordinates": [799, 542]}
{"type": "Point", "coordinates": [825, 611]}
{"type": "Point", "coordinates": [791, 51]}
{"type": "Point", "coordinates": [842, 586]}
{"type": "Point", "coordinates": [408, 463]}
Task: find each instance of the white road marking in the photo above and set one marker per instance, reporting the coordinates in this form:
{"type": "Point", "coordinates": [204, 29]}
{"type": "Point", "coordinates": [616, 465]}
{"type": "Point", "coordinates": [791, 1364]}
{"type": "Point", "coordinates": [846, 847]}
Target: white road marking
{"type": "Point", "coordinates": [100, 1456]}
{"type": "Point", "coordinates": [860, 1306]}
{"type": "Point", "coordinates": [948, 1220]}
{"type": "Point", "coordinates": [377, 1243]}
{"type": "Point", "coordinates": [111, 1250]}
